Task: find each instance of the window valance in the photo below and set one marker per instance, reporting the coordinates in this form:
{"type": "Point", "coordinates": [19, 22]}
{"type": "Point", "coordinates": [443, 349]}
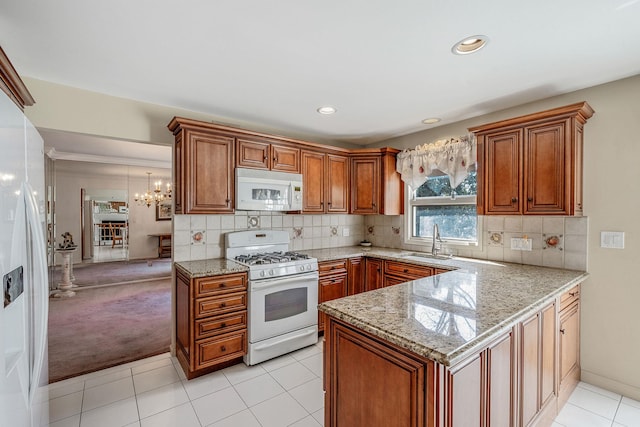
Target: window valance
{"type": "Point", "coordinates": [455, 157]}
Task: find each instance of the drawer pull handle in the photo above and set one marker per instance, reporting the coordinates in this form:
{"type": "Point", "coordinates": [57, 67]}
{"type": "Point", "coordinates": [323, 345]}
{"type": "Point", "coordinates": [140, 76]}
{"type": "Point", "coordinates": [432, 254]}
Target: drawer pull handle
{"type": "Point", "coordinates": [222, 304]}
{"type": "Point", "coordinates": [222, 285]}
{"type": "Point", "coordinates": [562, 331]}
{"type": "Point", "coordinates": [573, 294]}
{"type": "Point", "coordinates": [333, 267]}
{"type": "Point", "coordinates": [223, 348]}
{"type": "Point", "coordinates": [406, 270]}
{"type": "Point", "coordinates": [223, 325]}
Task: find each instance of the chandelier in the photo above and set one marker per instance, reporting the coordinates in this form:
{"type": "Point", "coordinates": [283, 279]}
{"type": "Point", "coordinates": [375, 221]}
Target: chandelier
{"type": "Point", "coordinates": [153, 197]}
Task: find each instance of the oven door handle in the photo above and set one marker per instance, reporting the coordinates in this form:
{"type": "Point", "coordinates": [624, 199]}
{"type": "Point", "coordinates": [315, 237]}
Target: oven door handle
{"type": "Point", "coordinates": [257, 285]}
{"type": "Point", "coordinates": [294, 337]}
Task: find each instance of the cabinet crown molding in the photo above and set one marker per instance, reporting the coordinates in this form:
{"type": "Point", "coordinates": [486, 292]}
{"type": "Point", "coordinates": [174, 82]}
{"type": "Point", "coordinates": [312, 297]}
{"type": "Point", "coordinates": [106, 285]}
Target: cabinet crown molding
{"type": "Point", "coordinates": [582, 111]}
{"type": "Point", "coordinates": [12, 84]}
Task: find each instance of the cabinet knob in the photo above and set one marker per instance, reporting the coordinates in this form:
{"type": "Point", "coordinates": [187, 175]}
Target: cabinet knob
{"type": "Point", "coordinates": [514, 199]}
{"type": "Point", "coordinates": [275, 159]}
{"type": "Point", "coordinates": [223, 325]}
{"type": "Point", "coordinates": [562, 331]}
{"type": "Point", "coordinates": [329, 203]}
{"type": "Point", "coordinates": [228, 200]}
{"type": "Point", "coordinates": [222, 304]}
{"type": "Point", "coordinates": [529, 199]}
{"type": "Point", "coordinates": [223, 348]}
{"type": "Point", "coordinates": [406, 270]}
{"type": "Point", "coordinates": [222, 285]}
{"type": "Point", "coordinates": [573, 294]}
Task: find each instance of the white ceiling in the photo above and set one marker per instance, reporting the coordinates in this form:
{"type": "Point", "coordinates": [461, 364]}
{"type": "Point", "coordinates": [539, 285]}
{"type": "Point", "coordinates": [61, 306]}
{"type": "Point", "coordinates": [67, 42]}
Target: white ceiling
{"type": "Point", "coordinates": [385, 65]}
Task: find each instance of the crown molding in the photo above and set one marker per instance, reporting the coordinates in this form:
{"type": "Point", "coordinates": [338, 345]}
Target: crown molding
{"type": "Point", "coordinates": [93, 158]}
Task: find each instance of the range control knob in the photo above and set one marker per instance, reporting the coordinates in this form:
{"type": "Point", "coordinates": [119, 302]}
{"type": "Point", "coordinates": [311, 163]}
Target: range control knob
{"type": "Point", "coordinates": [308, 266]}
{"type": "Point", "coordinates": [302, 268]}
{"type": "Point", "coordinates": [262, 273]}
{"type": "Point", "coordinates": [270, 272]}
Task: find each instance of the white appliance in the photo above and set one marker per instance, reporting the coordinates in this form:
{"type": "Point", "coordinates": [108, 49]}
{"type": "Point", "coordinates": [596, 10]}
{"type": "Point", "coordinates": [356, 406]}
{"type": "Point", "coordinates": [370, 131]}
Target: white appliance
{"type": "Point", "coordinates": [261, 190]}
{"type": "Point", "coordinates": [23, 268]}
{"type": "Point", "coordinates": [283, 293]}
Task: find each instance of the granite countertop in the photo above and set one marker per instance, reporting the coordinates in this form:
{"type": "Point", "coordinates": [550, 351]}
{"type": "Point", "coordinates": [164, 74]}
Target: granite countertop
{"type": "Point", "coordinates": [450, 316]}
{"type": "Point", "coordinates": [209, 267]}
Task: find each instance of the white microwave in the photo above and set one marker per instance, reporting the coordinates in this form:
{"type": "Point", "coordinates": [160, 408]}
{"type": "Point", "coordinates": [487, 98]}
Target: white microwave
{"type": "Point", "coordinates": [261, 190]}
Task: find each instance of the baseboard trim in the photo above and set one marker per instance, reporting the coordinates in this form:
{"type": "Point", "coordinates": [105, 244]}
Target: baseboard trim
{"type": "Point", "coordinates": [610, 384]}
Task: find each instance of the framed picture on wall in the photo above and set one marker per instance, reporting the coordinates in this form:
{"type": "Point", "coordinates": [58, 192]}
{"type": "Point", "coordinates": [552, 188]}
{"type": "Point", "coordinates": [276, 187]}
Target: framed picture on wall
{"type": "Point", "coordinates": [163, 212]}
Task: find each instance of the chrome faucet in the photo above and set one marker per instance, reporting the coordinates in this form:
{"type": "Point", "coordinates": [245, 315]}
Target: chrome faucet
{"type": "Point", "coordinates": [436, 238]}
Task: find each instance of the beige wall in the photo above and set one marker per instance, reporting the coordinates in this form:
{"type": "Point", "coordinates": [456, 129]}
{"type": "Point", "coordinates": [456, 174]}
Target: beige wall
{"type": "Point", "coordinates": [611, 296]}
{"type": "Point", "coordinates": [142, 220]}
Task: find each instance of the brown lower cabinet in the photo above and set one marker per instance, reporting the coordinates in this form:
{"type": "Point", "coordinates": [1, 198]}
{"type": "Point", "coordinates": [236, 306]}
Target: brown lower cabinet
{"type": "Point", "coordinates": [332, 283]}
{"type": "Point", "coordinates": [512, 382]}
{"type": "Point", "coordinates": [211, 322]}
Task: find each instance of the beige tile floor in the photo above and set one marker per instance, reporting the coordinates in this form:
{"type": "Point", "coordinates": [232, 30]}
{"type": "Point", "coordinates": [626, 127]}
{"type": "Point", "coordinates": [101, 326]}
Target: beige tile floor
{"type": "Point", "coordinates": [286, 391]}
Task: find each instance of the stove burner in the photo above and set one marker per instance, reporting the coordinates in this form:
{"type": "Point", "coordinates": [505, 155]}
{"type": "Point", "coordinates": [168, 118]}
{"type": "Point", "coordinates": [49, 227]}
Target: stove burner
{"type": "Point", "coordinates": [270, 258]}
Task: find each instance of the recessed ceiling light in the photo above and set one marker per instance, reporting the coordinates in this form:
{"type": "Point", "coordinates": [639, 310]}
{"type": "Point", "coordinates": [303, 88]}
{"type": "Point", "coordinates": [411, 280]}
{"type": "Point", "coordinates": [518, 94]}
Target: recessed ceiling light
{"type": "Point", "coordinates": [469, 45]}
{"type": "Point", "coordinates": [326, 110]}
{"type": "Point", "coordinates": [431, 121]}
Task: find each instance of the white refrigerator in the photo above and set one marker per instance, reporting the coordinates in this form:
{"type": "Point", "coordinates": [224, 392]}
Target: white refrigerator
{"type": "Point", "coordinates": [23, 270]}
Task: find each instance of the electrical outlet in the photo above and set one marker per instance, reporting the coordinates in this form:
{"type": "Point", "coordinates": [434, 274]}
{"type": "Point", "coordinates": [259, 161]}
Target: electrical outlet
{"type": "Point", "coordinates": [345, 232]}
{"type": "Point", "coordinates": [521, 244]}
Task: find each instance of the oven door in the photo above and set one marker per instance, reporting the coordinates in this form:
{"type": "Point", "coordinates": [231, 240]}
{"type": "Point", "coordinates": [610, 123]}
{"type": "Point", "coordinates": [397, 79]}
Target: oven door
{"type": "Point", "coordinates": [281, 305]}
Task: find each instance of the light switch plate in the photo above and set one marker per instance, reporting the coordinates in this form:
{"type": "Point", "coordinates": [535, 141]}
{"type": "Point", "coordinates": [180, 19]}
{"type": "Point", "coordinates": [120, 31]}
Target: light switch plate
{"type": "Point", "coordinates": [521, 244]}
{"type": "Point", "coordinates": [612, 239]}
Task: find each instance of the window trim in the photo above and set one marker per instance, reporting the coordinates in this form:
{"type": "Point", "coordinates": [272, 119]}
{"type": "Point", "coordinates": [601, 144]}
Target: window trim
{"type": "Point", "coordinates": [437, 201]}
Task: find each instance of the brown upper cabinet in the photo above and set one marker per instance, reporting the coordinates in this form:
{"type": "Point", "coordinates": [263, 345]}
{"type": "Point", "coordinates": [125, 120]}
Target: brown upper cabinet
{"type": "Point", "coordinates": [325, 182]}
{"type": "Point", "coordinates": [335, 180]}
{"type": "Point", "coordinates": [264, 154]}
{"type": "Point", "coordinates": [532, 165]}
{"type": "Point", "coordinates": [203, 169]}
{"type": "Point", "coordinates": [376, 187]}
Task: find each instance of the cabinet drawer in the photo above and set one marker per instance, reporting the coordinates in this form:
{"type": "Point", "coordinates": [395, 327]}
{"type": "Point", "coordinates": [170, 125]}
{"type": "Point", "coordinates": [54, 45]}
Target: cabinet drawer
{"type": "Point", "coordinates": [220, 324]}
{"type": "Point", "coordinates": [332, 267]}
{"type": "Point", "coordinates": [220, 349]}
{"type": "Point", "coordinates": [406, 270]}
{"type": "Point", "coordinates": [221, 284]}
{"type": "Point", "coordinates": [569, 297]}
{"type": "Point", "coordinates": [220, 305]}
{"type": "Point", "coordinates": [392, 280]}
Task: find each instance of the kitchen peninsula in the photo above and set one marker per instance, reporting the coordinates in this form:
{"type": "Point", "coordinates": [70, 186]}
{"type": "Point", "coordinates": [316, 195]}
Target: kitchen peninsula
{"type": "Point", "coordinates": [488, 344]}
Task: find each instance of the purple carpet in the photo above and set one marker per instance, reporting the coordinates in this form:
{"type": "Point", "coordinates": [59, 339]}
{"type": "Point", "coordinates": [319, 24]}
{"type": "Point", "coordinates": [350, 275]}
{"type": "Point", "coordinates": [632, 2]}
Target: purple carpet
{"type": "Point", "coordinates": [107, 326]}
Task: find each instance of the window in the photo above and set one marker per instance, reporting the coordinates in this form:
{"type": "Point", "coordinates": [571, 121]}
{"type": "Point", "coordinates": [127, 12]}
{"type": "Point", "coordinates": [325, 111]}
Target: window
{"type": "Point", "coordinates": [434, 202]}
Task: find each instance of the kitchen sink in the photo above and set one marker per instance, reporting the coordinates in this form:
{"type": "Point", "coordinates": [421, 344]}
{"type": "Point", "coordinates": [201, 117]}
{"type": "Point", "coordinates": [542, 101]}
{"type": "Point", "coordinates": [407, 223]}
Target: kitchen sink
{"type": "Point", "coordinates": [420, 256]}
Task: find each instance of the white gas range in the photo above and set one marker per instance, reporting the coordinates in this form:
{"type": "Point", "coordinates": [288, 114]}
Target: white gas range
{"type": "Point", "coordinates": [283, 293]}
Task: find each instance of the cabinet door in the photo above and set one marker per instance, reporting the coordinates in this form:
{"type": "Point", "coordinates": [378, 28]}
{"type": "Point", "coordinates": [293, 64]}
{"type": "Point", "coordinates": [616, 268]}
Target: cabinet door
{"type": "Point", "coordinates": [285, 159]}
{"type": "Point", "coordinates": [355, 282]}
{"type": "Point", "coordinates": [547, 175]}
{"type": "Point", "coordinates": [365, 185]}
{"type": "Point", "coordinates": [529, 370]}
{"type": "Point", "coordinates": [253, 154]}
{"type": "Point", "coordinates": [373, 274]}
{"type": "Point", "coordinates": [466, 395]}
{"type": "Point", "coordinates": [337, 189]}
{"type": "Point", "coordinates": [501, 376]}
{"type": "Point", "coordinates": [329, 288]}
{"type": "Point", "coordinates": [570, 346]}
{"type": "Point", "coordinates": [313, 182]}
{"type": "Point", "coordinates": [209, 175]}
{"type": "Point", "coordinates": [547, 355]}
{"type": "Point", "coordinates": [502, 186]}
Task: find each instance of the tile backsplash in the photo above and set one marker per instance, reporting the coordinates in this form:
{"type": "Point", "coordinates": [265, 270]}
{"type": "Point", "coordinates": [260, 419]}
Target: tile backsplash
{"type": "Point", "coordinates": [202, 236]}
{"type": "Point", "coordinates": [557, 241]}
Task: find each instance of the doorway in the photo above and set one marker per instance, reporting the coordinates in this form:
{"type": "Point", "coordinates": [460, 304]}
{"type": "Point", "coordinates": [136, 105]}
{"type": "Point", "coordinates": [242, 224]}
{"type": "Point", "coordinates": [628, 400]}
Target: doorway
{"type": "Point", "coordinates": [105, 225]}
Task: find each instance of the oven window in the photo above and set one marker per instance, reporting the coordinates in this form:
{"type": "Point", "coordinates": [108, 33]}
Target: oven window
{"type": "Point", "coordinates": [265, 194]}
{"type": "Point", "coordinates": [283, 304]}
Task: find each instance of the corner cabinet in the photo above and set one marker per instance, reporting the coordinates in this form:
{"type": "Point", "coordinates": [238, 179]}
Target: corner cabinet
{"type": "Point", "coordinates": [532, 165]}
{"type": "Point", "coordinates": [211, 322]}
{"type": "Point", "coordinates": [203, 166]}
{"type": "Point", "coordinates": [376, 187]}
